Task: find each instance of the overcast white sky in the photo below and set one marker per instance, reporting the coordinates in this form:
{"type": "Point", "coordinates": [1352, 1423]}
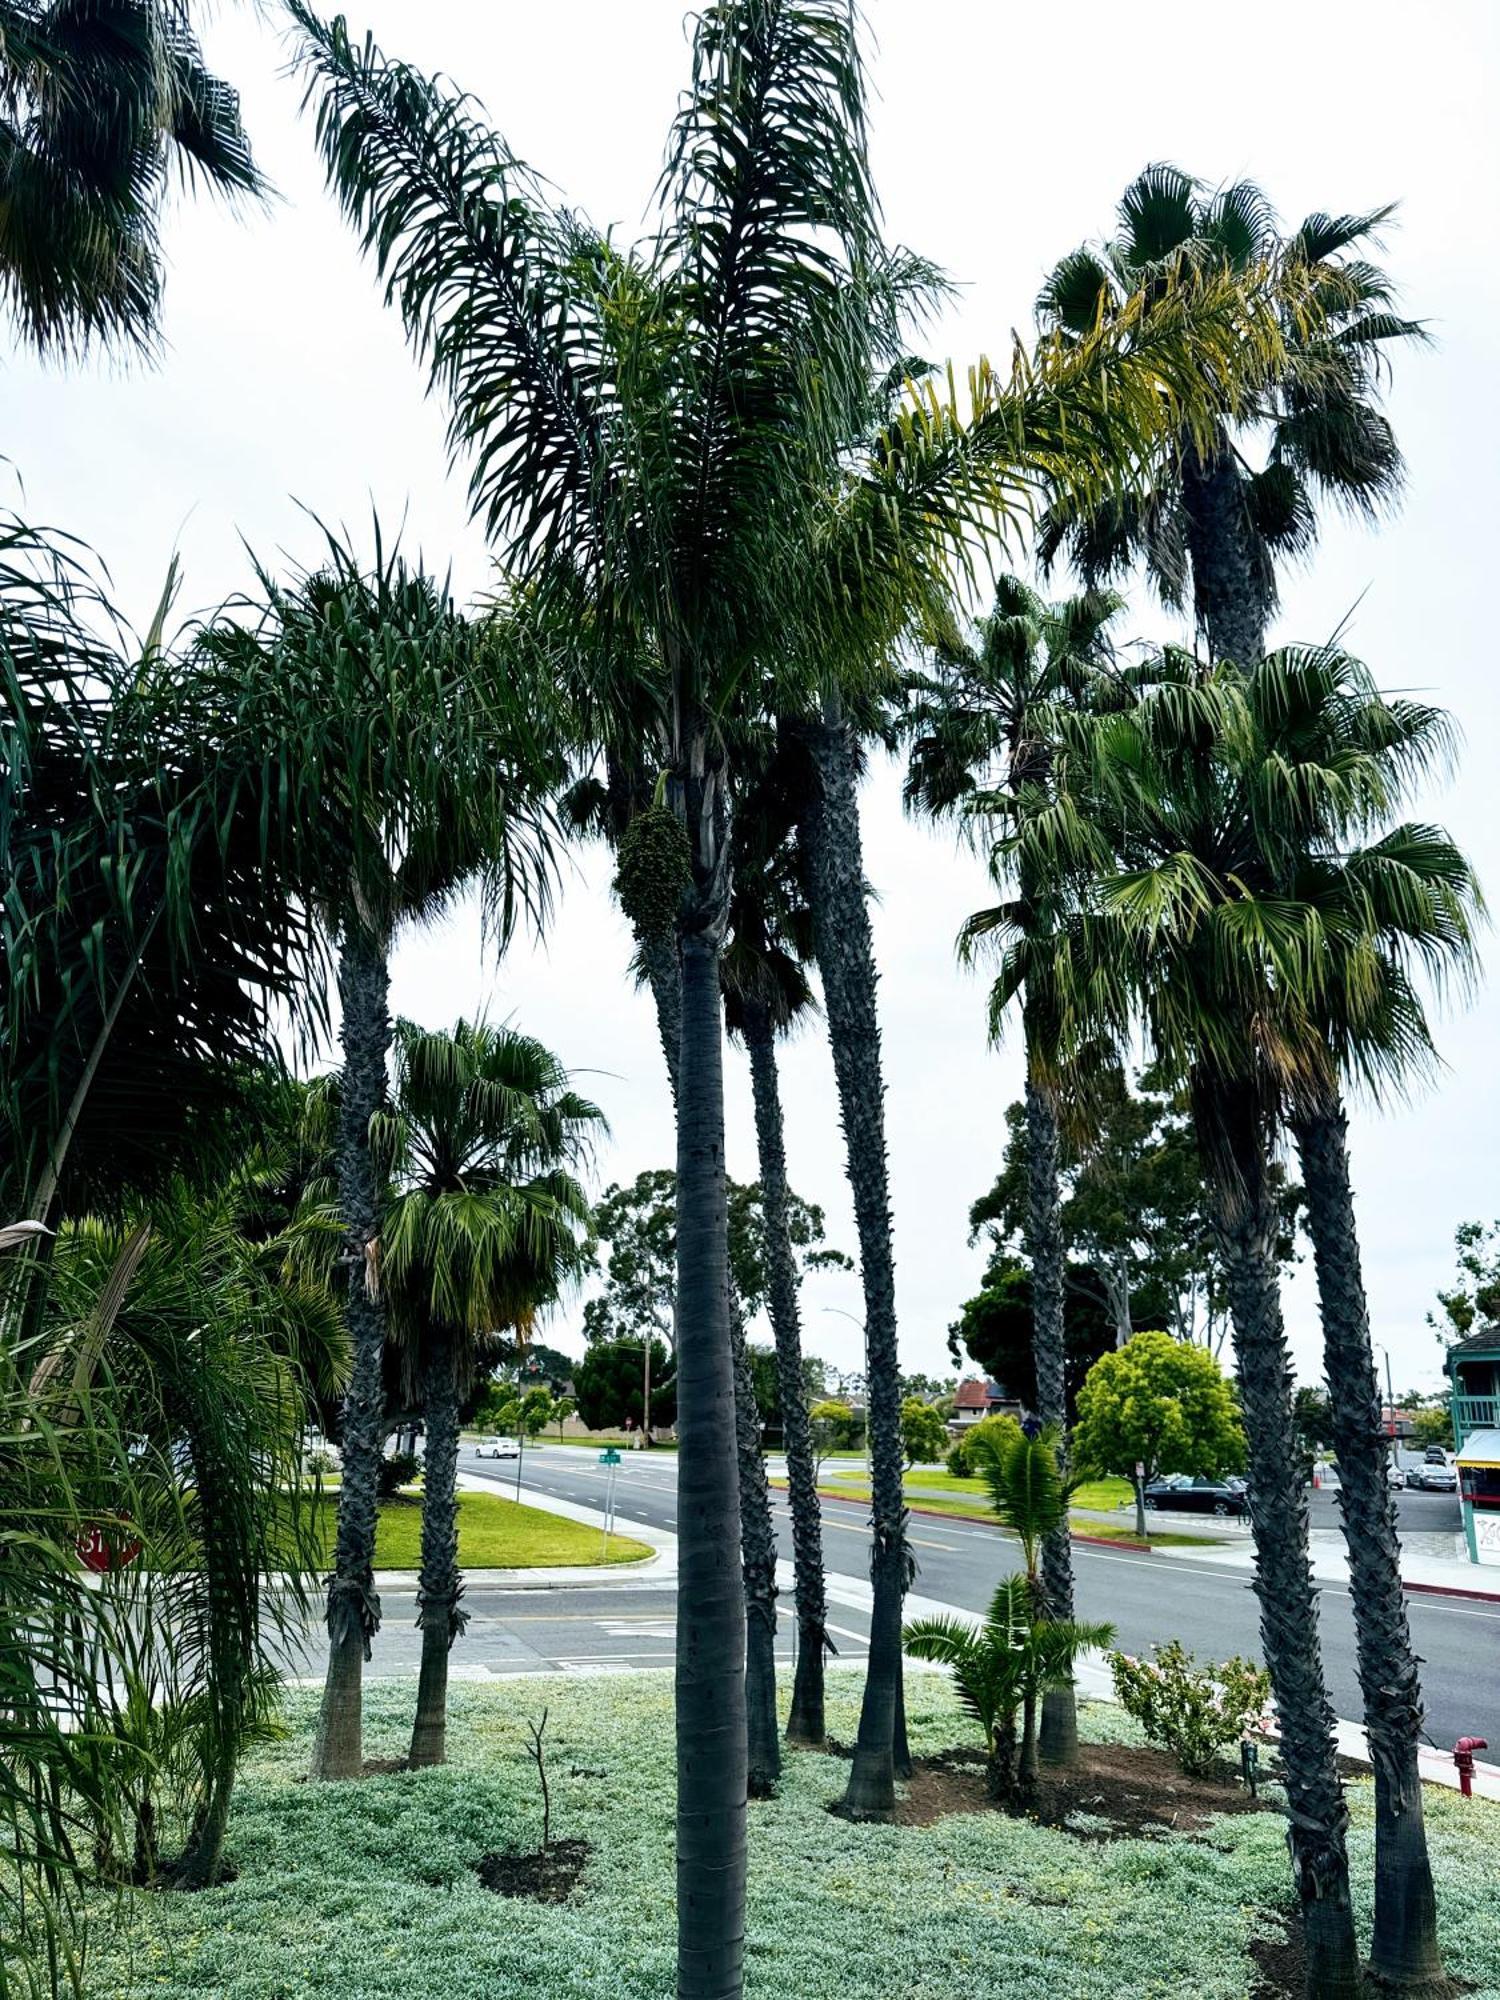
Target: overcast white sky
{"type": "Point", "coordinates": [1002, 135]}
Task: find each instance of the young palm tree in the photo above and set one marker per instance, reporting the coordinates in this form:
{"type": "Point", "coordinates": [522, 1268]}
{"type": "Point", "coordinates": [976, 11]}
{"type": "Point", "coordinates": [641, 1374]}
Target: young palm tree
{"type": "Point", "coordinates": [392, 715]}
{"type": "Point", "coordinates": [1209, 516]}
{"type": "Point", "coordinates": [100, 105]}
{"type": "Point", "coordinates": [1002, 1669]}
{"type": "Point", "coordinates": [1233, 901]}
{"type": "Point", "coordinates": [482, 1231]}
{"type": "Point", "coordinates": [973, 725]}
{"type": "Point", "coordinates": [659, 446]}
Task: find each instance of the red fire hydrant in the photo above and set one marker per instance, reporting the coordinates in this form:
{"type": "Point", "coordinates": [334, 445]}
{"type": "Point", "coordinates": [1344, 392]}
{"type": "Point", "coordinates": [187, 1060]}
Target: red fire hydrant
{"type": "Point", "coordinates": [1463, 1757]}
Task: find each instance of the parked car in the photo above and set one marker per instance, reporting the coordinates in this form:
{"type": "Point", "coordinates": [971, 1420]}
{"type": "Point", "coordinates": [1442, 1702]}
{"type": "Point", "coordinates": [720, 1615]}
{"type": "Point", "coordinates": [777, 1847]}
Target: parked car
{"type": "Point", "coordinates": [497, 1448]}
{"type": "Point", "coordinates": [1199, 1496]}
{"type": "Point", "coordinates": [1433, 1477]}
{"type": "Point", "coordinates": [1434, 1455]}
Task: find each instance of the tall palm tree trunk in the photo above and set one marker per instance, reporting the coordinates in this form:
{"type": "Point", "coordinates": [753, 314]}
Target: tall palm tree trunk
{"type": "Point", "coordinates": [806, 1722]}
{"type": "Point", "coordinates": [440, 1585]}
{"type": "Point", "coordinates": [231, 1626]}
{"type": "Point", "coordinates": [1317, 1816]}
{"type": "Point", "coordinates": [846, 960]}
{"type": "Point", "coordinates": [1228, 593]}
{"type": "Point", "coordinates": [353, 1607]}
{"type": "Point", "coordinates": [758, 1568]}
{"type": "Point", "coordinates": [1404, 1952]}
{"type": "Point", "coordinates": [1059, 1733]}
{"type": "Point", "coordinates": [710, 1677]}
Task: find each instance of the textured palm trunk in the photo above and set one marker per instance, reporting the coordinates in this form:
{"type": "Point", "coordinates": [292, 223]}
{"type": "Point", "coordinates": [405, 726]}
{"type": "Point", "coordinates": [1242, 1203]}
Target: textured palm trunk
{"type": "Point", "coordinates": [806, 1723]}
{"type": "Point", "coordinates": [846, 960]}
{"type": "Point", "coordinates": [1229, 594]}
{"type": "Point", "coordinates": [758, 1568]}
{"type": "Point", "coordinates": [710, 1677]}
{"type": "Point", "coordinates": [1001, 1774]}
{"type": "Point", "coordinates": [1404, 1951]}
{"type": "Point", "coordinates": [232, 1626]}
{"type": "Point", "coordinates": [1044, 1241]}
{"type": "Point", "coordinates": [440, 1585]}
{"type": "Point", "coordinates": [353, 1607]}
{"type": "Point", "coordinates": [1247, 1229]}
{"type": "Point", "coordinates": [663, 971]}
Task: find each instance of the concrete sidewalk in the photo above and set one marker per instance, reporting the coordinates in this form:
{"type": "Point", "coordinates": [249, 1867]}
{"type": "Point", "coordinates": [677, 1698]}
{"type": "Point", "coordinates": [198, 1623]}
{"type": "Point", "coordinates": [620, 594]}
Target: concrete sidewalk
{"type": "Point", "coordinates": [1427, 1574]}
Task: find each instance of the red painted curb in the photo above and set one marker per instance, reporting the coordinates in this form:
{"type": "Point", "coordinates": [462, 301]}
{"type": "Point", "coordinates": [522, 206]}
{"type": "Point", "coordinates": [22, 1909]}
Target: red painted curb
{"type": "Point", "coordinates": [1451, 1590]}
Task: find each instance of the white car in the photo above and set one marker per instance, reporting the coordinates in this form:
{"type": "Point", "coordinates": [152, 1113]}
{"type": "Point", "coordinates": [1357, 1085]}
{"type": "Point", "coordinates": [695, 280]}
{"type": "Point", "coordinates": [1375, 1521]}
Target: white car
{"type": "Point", "coordinates": [497, 1448]}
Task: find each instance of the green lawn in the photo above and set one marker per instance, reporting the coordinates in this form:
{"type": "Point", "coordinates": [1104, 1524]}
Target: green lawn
{"type": "Point", "coordinates": [1099, 1494]}
{"type": "Point", "coordinates": [369, 1889]}
{"type": "Point", "coordinates": [492, 1534]}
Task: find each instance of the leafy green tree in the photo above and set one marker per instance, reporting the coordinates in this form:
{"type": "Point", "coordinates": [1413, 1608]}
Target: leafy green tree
{"type": "Point", "coordinates": [923, 1432]}
{"type": "Point", "coordinates": [1157, 1406]}
{"type": "Point", "coordinates": [1312, 1415]}
{"type": "Point", "coordinates": [994, 1328]}
{"type": "Point", "coordinates": [611, 1388]}
{"type": "Point", "coordinates": [483, 1228]}
{"type": "Point", "coordinates": [1473, 1300]}
{"type": "Point", "coordinates": [100, 106]}
{"type": "Point", "coordinates": [1433, 1426]}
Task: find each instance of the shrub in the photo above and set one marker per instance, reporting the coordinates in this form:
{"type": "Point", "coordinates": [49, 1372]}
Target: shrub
{"type": "Point", "coordinates": [399, 1470]}
{"type": "Point", "coordinates": [1195, 1712]}
{"type": "Point", "coordinates": [960, 1461]}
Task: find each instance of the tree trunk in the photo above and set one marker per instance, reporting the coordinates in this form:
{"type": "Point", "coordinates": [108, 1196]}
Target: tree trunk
{"type": "Point", "coordinates": [1027, 1774]}
{"type": "Point", "coordinates": [353, 1607]}
{"type": "Point", "coordinates": [1317, 1817]}
{"type": "Point", "coordinates": [1002, 1765]}
{"type": "Point", "coordinates": [663, 972]}
{"type": "Point", "coordinates": [806, 1722]}
{"type": "Point", "coordinates": [710, 1677]}
{"type": "Point", "coordinates": [1231, 589]}
{"type": "Point", "coordinates": [846, 960]}
{"type": "Point", "coordinates": [440, 1585]}
{"type": "Point", "coordinates": [758, 1567]}
{"type": "Point", "coordinates": [1404, 1952]}
{"type": "Point", "coordinates": [1059, 1740]}
{"type": "Point", "coordinates": [1142, 1527]}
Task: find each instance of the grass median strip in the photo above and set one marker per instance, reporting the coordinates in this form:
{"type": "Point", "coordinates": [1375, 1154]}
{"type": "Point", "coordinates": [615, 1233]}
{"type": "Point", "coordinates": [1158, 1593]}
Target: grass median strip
{"type": "Point", "coordinates": [922, 1501]}
{"type": "Point", "coordinates": [492, 1534]}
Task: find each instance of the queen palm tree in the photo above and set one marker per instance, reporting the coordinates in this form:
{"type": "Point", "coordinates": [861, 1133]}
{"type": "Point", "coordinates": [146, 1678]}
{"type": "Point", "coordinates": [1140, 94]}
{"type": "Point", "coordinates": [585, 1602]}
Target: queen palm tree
{"type": "Point", "coordinates": [1236, 900]}
{"type": "Point", "coordinates": [101, 104]}
{"type": "Point", "coordinates": [974, 729]}
{"type": "Point", "coordinates": [1210, 516]}
{"type": "Point", "coordinates": [483, 1229]}
{"type": "Point", "coordinates": [421, 774]}
{"type": "Point", "coordinates": [659, 445]}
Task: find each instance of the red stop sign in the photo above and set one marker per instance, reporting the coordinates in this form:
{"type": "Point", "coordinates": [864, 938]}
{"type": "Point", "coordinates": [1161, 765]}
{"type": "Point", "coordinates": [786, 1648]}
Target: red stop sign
{"type": "Point", "coordinates": [102, 1554]}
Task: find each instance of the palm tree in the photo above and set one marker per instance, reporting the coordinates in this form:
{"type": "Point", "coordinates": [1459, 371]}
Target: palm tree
{"type": "Point", "coordinates": [1232, 901]}
{"type": "Point", "coordinates": [766, 989]}
{"type": "Point", "coordinates": [1001, 1669]}
{"type": "Point", "coordinates": [398, 717]}
{"type": "Point", "coordinates": [973, 725]}
{"type": "Point", "coordinates": [100, 106]}
{"type": "Point", "coordinates": [483, 1229]}
{"type": "Point", "coordinates": [1209, 511]}
{"type": "Point", "coordinates": [658, 444]}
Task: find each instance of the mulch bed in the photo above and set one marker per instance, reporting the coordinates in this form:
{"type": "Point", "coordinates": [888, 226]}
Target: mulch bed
{"type": "Point", "coordinates": [1280, 1963]}
{"type": "Point", "coordinates": [548, 1876]}
{"type": "Point", "coordinates": [1121, 1791]}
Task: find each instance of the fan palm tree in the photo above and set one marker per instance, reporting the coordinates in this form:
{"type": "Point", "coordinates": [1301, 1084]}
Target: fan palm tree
{"type": "Point", "coordinates": [974, 733]}
{"type": "Point", "coordinates": [482, 1231]}
{"type": "Point", "coordinates": [766, 990]}
{"type": "Point", "coordinates": [1210, 516]}
{"type": "Point", "coordinates": [101, 103]}
{"type": "Point", "coordinates": [397, 717]}
{"type": "Point", "coordinates": [1236, 900]}
{"type": "Point", "coordinates": [659, 445]}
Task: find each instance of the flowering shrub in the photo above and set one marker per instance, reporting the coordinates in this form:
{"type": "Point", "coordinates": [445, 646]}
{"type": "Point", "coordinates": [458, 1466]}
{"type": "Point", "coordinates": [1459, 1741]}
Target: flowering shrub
{"type": "Point", "coordinates": [1195, 1712]}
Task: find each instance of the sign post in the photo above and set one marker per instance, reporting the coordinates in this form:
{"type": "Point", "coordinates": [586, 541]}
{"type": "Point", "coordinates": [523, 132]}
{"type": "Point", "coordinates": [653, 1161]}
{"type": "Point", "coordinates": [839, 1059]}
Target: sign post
{"type": "Point", "coordinates": [610, 1459]}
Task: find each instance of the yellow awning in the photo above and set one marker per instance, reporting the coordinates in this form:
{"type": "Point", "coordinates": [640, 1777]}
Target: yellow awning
{"type": "Point", "coordinates": [1482, 1448]}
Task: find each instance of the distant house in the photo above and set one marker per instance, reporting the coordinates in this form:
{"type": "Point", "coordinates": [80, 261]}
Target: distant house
{"type": "Point", "coordinates": [1473, 1367]}
{"type": "Point", "coordinates": [979, 1398]}
{"type": "Point", "coordinates": [1396, 1423]}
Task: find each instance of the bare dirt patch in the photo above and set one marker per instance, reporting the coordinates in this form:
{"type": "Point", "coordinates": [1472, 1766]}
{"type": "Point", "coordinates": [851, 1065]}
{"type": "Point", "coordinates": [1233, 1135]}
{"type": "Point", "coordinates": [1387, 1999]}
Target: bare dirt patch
{"type": "Point", "coordinates": [548, 1876]}
{"type": "Point", "coordinates": [1112, 1791]}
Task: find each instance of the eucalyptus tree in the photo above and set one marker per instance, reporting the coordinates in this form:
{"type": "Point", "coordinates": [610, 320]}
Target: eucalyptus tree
{"type": "Point", "coordinates": [484, 1226]}
{"type": "Point", "coordinates": [101, 105]}
{"type": "Point", "coordinates": [1238, 894]}
{"type": "Point", "coordinates": [397, 721]}
{"type": "Point", "coordinates": [1212, 520]}
{"type": "Point", "coordinates": [977, 731]}
{"type": "Point", "coordinates": [659, 444]}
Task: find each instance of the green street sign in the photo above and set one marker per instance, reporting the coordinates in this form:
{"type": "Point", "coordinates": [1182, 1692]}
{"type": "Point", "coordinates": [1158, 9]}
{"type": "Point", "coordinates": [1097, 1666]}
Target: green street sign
{"type": "Point", "coordinates": [610, 1457]}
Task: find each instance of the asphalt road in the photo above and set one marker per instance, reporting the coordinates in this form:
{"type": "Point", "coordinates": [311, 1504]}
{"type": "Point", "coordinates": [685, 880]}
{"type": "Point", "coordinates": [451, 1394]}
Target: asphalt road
{"type": "Point", "coordinates": [1147, 1598]}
